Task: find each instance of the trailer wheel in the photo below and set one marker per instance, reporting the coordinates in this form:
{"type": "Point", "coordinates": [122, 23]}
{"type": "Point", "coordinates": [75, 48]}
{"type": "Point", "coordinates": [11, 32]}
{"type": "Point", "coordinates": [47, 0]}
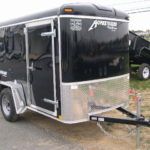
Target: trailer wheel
{"type": "Point", "coordinates": [144, 72]}
{"type": "Point", "coordinates": [7, 105]}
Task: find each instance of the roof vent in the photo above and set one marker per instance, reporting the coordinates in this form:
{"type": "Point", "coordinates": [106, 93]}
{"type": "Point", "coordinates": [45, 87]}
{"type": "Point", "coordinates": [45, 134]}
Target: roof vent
{"type": "Point", "coordinates": [99, 7]}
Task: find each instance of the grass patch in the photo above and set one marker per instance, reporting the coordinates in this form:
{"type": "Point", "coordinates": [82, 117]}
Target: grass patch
{"type": "Point", "coordinates": [138, 84]}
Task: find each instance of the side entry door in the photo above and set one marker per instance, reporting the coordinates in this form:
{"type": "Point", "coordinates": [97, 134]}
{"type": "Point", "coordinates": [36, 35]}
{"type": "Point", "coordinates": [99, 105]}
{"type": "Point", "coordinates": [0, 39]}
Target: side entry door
{"type": "Point", "coordinates": [41, 65]}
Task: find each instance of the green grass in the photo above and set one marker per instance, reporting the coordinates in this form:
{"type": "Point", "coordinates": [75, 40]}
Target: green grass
{"type": "Point", "coordinates": [138, 84]}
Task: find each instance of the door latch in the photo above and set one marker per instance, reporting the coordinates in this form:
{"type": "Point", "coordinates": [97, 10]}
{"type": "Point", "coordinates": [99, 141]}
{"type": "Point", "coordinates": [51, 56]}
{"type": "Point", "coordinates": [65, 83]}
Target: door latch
{"type": "Point", "coordinates": [31, 67]}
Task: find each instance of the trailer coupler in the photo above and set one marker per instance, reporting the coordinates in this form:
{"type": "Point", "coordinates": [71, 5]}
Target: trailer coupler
{"type": "Point", "coordinates": [133, 120]}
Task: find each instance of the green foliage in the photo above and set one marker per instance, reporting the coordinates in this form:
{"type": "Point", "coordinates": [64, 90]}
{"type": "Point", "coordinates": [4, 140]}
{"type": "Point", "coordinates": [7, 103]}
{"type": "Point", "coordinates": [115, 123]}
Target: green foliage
{"type": "Point", "coordinates": [147, 37]}
{"type": "Point", "coordinates": [138, 84]}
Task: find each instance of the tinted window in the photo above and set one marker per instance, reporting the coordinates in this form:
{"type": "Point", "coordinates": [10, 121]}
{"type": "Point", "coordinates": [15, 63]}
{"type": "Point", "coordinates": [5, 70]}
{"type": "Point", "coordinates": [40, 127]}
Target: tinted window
{"type": "Point", "coordinates": [39, 45]}
{"type": "Point", "coordinates": [12, 52]}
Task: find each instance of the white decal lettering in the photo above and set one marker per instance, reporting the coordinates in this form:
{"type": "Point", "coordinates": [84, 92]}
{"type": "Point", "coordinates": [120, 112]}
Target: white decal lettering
{"type": "Point", "coordinates": [109, 24]}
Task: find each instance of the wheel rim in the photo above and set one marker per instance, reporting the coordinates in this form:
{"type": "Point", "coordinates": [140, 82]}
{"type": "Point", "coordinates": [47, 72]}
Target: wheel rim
{"type": "Point", "coordinates": [6, 105]}
{"type": "Point", "coordinates": [146, 72]}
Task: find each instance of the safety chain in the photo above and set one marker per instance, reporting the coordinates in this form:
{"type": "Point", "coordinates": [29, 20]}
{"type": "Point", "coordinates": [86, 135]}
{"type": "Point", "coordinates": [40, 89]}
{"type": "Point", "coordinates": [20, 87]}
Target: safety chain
{"type": "Point", "coordinates": [134, 96]}
{"type": "Point", "coordinates": [113, 136]}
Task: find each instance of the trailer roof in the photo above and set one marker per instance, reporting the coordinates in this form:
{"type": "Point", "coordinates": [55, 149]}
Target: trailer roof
{"type": "Point", "coordinates": [87, 9]}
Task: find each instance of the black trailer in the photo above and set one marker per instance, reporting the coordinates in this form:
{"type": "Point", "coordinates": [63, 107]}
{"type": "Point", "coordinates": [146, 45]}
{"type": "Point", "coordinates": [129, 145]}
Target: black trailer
{"type": "Point", "coordinates": [140, 55]}
{"type": "Point", "coordinates": [68, 63]}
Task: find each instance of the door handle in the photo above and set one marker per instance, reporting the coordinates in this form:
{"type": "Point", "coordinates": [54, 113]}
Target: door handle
{"type": "Point", "coordinates": [52, 33]}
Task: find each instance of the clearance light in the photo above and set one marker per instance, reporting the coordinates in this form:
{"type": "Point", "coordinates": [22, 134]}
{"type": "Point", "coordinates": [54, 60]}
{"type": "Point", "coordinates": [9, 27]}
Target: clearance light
{"type": "Point", "coordinates": [68, 10]}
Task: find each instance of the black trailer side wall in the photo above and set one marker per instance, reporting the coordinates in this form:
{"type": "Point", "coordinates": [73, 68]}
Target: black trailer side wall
{"type": "Point", "coordinates": [12, 53]}
{"type": "Point", "coordinates": [13, 61]}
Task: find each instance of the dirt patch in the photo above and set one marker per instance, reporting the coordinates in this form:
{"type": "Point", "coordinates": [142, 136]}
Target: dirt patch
{"type": "Point", "coordinates": [89, 136]}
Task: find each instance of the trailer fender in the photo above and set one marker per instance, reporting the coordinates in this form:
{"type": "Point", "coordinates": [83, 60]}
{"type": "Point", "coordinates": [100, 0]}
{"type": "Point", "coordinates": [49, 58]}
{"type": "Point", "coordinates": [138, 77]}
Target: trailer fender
{"type": "Point", "coordinates": [17, 93]}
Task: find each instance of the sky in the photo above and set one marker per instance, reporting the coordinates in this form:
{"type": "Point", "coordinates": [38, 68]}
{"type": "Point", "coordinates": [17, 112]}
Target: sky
{"type": "Point", "coordinates": [11, 9]}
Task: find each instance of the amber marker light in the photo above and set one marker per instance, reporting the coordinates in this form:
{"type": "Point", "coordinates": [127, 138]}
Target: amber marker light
{"type": "Point", "coordinates": [68, 10]}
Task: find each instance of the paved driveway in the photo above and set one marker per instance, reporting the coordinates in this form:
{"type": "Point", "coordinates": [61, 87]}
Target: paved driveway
{"type": "Point", "coordinates": [29, 134]}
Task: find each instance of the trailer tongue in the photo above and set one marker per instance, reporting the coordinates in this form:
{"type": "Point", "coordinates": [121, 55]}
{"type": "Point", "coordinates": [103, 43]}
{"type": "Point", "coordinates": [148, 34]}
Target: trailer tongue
{"type": "Point", "coordinates": [133, 120]}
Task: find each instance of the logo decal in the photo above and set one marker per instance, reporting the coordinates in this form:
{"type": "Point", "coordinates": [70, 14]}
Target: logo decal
{"type": "Point", "coordinates": [112, 25]}
{"type": "Point", "coordinates": [76, 24]}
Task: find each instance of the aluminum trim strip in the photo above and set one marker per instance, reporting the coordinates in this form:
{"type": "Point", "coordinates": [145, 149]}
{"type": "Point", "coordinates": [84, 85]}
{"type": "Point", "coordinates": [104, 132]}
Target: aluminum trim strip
{"type": "Point", "coordinates": [54, 69]}
{"type": "Point", "coordinates": [60, 65]}
{"type": "Point", "coordinates": [25, 22]}
{"type": "Point", "coordinates": [39, 23]}
{"type": "Point", "coordinates": [27, 66]}
{"type": "Point", "coordinates": [43, 110]}
{"type": "Point", "coordinates": [64, 16]}
{"type": "Point", "coordinates": [48, 114]}
{"type": "Point", "coordinates": [93, 17]}
{"type": "Point", "coordinates": [95, 81]}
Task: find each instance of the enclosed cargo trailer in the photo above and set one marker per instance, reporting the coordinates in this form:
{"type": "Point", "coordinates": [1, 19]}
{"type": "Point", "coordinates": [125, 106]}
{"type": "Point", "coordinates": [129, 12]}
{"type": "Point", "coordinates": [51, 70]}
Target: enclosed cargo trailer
{"type": "Point", "coordinates": [68, 63]}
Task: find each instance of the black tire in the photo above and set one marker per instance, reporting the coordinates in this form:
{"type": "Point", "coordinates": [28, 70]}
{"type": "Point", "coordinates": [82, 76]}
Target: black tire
{"type": "Point", "coordinates": [7, 105]}
{"type": "Point", "coordinates": [144, 72]}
